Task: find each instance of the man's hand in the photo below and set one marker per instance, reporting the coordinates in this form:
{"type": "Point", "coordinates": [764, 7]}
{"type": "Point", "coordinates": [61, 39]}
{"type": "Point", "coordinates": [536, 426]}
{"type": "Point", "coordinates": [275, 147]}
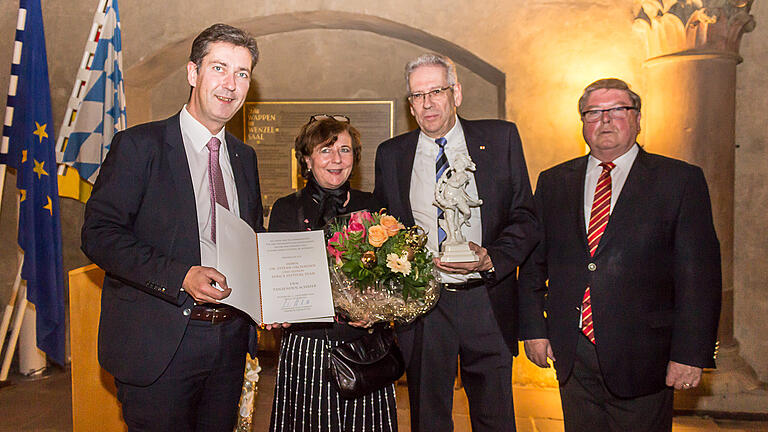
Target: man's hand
{"type": "Point", "coordinates": [683, 377]}
{"type": "Point", "coordinates": [482, 264]}
{"type": "Point", "coordinates": [197, 283]}
{"type": "Point", "coordinates": [537, 351]}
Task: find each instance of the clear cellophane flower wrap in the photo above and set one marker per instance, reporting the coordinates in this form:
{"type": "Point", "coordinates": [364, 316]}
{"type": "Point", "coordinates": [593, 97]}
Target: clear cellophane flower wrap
{"type": "Point", "coordinates": [379, 302]}
{"type": "Point", "coordinates": [380, 270]}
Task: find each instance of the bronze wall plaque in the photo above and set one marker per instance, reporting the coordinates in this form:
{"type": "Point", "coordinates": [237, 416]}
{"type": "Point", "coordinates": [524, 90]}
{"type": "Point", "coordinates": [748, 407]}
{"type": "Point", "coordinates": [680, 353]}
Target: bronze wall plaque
{"type": "Point", "coordinates": [271, 128]}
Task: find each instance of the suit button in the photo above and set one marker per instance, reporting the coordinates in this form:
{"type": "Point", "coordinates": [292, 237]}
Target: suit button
{"type": "Point", "coordinates": [187, 311]}
{"type": "Point", "coordinates": [592, 267]}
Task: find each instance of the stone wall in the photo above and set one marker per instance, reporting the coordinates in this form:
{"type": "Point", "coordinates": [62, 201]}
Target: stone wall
{"type": "Point", "coordinates": [751, 197]}
{"type": "Point", "coordinates": [548, 50]}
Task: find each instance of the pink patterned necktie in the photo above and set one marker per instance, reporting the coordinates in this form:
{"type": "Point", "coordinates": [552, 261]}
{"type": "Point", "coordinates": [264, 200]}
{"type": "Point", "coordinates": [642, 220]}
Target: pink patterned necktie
{"type": "Point", "coordinates": [598, 219]}
{"type": "Point", "coordinates": [215, 183]}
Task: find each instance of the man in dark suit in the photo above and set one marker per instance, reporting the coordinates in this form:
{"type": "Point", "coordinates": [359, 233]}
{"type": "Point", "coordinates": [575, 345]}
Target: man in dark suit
{"type": "Point", "coordinates": [631, 305]}
{"type": "Point", "coordinates": [177, 355]}
{"type": "Point", "coordinates": [475, 318]}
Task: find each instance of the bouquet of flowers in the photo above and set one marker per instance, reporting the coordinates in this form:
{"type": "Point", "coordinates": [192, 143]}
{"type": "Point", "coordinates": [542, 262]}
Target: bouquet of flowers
{"type": "Point", "coordinates": [380, 270]}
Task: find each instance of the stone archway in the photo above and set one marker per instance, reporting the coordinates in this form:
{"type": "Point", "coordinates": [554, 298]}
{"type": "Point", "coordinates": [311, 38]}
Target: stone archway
{"type": "Point", "coordinates": [144, 76]}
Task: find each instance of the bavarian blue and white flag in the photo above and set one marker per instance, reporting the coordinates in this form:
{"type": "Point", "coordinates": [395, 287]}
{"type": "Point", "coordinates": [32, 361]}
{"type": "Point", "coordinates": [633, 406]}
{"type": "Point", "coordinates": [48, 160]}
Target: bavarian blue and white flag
{"type": "Point", "coordinates": [102, 111]}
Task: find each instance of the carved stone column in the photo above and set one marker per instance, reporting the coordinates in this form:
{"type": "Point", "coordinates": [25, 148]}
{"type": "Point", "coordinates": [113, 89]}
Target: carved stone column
{"type": "Point", "coordinates": [689, 106]}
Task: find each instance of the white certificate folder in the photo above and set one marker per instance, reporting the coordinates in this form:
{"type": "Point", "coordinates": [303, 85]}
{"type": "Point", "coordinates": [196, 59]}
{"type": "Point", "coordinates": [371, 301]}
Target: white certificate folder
{"type": "Point", "coordinates": [275, 277]}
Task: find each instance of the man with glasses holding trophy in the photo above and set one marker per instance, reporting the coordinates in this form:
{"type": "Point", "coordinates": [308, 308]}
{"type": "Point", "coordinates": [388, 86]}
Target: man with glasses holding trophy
{"type": "Point", "coordinates": [475, 320]}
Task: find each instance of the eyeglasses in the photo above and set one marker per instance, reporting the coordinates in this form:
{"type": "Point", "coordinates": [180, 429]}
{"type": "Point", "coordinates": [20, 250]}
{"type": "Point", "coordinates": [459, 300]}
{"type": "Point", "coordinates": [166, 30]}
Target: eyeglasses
{"type": "Point", "coordinates": [337, 117]}
{"type": "Point", "coordinates": [436, 93]}
{"type": "Point", "coordinates": [619, 112]}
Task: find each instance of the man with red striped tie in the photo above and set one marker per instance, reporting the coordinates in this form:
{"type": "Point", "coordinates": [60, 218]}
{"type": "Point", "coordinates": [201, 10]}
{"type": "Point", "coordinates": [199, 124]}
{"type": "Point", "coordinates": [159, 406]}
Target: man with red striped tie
{"type": "Point", "coordinates": [623, 292]}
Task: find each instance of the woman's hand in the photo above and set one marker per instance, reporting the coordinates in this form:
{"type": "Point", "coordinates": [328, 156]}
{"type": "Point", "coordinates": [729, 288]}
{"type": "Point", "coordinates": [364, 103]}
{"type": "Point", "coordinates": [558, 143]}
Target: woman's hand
{"type": "Point", "coordinates": [276, 325]}
{"type": "Point", "coordinates": [360, 324]}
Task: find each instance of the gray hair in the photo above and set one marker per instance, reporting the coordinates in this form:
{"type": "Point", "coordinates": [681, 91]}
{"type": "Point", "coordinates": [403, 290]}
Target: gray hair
{"type": "Point", "coordinates": [431, 59]}
{"type": "Point", "coordinates": [608, 84]}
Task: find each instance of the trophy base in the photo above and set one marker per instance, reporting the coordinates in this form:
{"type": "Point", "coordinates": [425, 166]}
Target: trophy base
{"type": "Point", "coordinates": [458, 253]}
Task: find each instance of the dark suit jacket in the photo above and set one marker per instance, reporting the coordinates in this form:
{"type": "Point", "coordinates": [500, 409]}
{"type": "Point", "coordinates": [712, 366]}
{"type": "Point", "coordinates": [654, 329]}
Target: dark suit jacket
{"type": "Point", "coordinates": [299, 212]}
{"type": "Point", "coordinates": [141, 228]}
{"type": "Point", "coordinates": [289, 213]}
{"type": "Point", "coordinates": [507, 215]}
{"type": "Point", "coordinates": [655, 277]}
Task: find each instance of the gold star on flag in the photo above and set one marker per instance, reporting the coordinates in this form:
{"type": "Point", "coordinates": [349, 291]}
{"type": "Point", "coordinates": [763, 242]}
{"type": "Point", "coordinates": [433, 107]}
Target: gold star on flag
{"type": "Point", "coordinates": [49, 206]}
{"type": "Point", "coordinates": [23, 194]}
{"type": "Point", "coordinates": [40, 132]}
{"type": "Point", "coordinates": [23, 156]}
{"type": "Point", "coordinates": [39, 169]}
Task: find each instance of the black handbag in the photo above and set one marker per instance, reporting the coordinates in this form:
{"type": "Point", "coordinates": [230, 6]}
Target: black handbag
{"type": "Point", "coordinates": [366, 364]}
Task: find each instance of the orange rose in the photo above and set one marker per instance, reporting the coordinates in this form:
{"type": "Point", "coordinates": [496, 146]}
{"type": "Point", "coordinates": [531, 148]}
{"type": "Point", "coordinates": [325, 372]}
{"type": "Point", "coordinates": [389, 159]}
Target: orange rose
{"type": "Point", "coordinates": [391, 224]}
{"type": "Point", "coordinates": [377, 235]}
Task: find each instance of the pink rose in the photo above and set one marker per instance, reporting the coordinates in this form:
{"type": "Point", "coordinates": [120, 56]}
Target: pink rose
{"type": "Point", "coordinates": [337, 240]}
{"type": "Point", "coordinates": [360, 217]}
{"type": "Point", "coordinates": [356, 227]}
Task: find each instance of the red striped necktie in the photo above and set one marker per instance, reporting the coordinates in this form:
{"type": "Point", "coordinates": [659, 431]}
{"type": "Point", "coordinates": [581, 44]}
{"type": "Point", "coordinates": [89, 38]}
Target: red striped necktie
{"type": "Point", "coordinates": [598, 219]}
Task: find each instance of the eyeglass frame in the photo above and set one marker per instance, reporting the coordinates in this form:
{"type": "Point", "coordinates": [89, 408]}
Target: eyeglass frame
{"type": "Point", "coordinates": [341, 118]}
{"type": "Point", "coordinates": [611, 113]}
{"type": "Point", "coordinates": [432, 93]}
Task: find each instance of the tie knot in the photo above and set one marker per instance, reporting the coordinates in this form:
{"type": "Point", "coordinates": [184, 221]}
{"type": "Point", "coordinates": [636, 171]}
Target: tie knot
{"type": "Point", "coordinates": [441, 142]}
{"type": "Point", "coordinates": [213, 145]}
{"type": "Point", "coordinates": [608, 166]}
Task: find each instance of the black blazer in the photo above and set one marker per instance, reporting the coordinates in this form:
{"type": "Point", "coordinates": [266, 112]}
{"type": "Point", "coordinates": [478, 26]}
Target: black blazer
{"type": "Point", "coordinates": [655, 277]}
{"type": "Point", "coordinates": [141, 228]}
{"type": "Point", "coordinates": [299, 212]}
{"type": "Point", "coordinates": [507, 213]}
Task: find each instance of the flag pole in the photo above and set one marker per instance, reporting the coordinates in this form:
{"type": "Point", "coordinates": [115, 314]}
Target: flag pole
{"type": "Point", "coordinates": [3, 169]}
{"type": "Point", "coordinates": [21, 307]}
{"type": "Point", "coordinates": [17, 304]}
{"type": "Point", "coordinates": [17, 308]}
{"type": "Point", "coordinates": [10, 306]}
{"type": "Point", "coordinates": [12, 83]}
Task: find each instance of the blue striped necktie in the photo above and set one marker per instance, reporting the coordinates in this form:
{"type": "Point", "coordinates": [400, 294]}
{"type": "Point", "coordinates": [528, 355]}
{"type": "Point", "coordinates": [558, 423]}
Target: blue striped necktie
{"type": "Point", "coordinates": [441, 164]}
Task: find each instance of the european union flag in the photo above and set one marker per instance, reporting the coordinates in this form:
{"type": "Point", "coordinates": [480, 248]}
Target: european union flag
{"type": "Point", "coordinates": [30, 140]}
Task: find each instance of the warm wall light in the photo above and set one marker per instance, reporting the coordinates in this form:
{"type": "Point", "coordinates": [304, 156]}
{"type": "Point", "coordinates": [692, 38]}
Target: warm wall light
{"type": "Point", "coordinates": [558, 67]}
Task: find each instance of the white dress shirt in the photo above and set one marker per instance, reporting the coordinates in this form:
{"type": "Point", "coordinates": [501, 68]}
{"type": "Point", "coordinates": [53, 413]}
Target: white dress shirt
{"type": "Point", "coordinates": [196, 137]}
{"type": "Point", "coordinates": [422, 193]}
{"type": "Point", "coordinates": [618, 178]}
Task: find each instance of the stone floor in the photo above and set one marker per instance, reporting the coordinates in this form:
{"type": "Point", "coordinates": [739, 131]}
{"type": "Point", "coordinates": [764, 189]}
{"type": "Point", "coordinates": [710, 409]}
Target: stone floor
{"type": "Point", "coordinates": [45, 406]}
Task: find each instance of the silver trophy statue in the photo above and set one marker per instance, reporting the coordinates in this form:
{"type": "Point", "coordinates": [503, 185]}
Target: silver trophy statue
{"type": "Point", "coordinates": [452, 197]}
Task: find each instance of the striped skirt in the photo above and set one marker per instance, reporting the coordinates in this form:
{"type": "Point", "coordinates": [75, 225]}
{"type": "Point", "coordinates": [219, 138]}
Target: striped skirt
{"type": "Point", "coordinates": [305, 401]}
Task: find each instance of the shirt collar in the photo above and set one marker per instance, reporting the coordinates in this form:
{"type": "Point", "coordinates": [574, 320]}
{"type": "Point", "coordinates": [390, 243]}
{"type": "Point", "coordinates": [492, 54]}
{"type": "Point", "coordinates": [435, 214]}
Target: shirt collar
{"type": "Point", "coordinates": [198, 134]}
{"type": "Point", "coordinates": [623, 162]}
{"type": "Point", "coordinates": [453, 137]}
